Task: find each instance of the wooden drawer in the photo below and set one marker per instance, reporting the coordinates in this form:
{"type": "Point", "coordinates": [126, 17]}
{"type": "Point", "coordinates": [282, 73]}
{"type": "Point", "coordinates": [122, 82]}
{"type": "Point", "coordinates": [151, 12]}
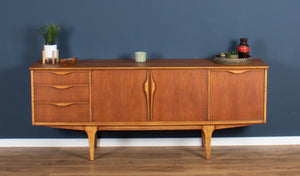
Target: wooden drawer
{"type": "Point", "coordinates": [62, 93]}
{"type": "Point", "coordinates": [60, 77]}
{"type": "Point", "coordinates": [61, 112]}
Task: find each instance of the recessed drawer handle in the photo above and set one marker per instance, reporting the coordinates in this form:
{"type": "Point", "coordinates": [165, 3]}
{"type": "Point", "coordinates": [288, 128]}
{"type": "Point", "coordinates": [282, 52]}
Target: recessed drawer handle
{"type": "Point", "coordinates": [61, 73]}
{"type": "Point", "coordinates": [61, 104]}
{"type": "Point", "coordinates": [61, 87]}
{"type": "Point", "coordinates": [237, 71]}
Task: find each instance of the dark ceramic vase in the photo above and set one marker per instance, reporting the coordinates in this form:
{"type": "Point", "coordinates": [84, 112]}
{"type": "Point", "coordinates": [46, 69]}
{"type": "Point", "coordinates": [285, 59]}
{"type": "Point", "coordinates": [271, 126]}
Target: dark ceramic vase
{"type": "Point", "coordinates": [243, 48]}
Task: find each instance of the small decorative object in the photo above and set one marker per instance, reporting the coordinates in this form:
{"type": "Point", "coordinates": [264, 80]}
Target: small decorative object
{"type": "Point", "coordinates": [229, 61]}
{"type": "Point", "coordinates": [50, 52]}
{"type": "Point", "coordinates": [222, 55]}
{"type": "Point", "coordinates": [140, 57]}
{"type": "Point", "coordinates": [233, 54]}
{"type": "Point", "coordinates": [243, 48]}
{"type": "Point", "coordinates": [239, 57]}
{"type": "Point", "coordinates": [68, 61]}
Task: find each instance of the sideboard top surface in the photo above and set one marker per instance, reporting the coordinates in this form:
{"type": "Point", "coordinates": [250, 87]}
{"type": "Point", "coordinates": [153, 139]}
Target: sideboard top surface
{"type": "Point", "coordinates": [150, 64]}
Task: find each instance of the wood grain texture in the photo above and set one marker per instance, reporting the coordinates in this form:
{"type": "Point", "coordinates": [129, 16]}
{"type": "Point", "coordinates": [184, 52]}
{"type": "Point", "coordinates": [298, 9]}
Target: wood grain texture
{"type": "Point", "coordinates": [156, 123]}
{"type": "Point", "coordinates": [65, 78]}
{"type": "Point", "coordinates": [32, 95]}
{"type": "Point", "coordinates": [237, 96]}
{"type": "Point", "coordinates": [237, 71]}
{"type": "Point", "coordinates": [118, 95]}
{"type": "Point", "coordinates": [151, 161]}
{"type": "Point", "coordinates": [147, 93]}
{"type": "Point", "coordinates": [150, 64]}
{"type": "Point", "coordinates": [61, 72]}
{"type": "Point", "coordinates": [92, 135]}
{"type": "Point", "coordinates": [141, 127]}
{"type": "Point", "coordinates": [208, 95]}
{"type": "Point", "coordinates": [265, 96]}
{"type": "Point", "coordinates": [161, 94]}
{"type": "Point", "coordinates": [145, 128]}
{"type": "Point", "coordinates": [180, 95]}
{"type": "Point", "coordinates": [90, 96]}
{"type": "Point", "coordinates": [65, 112]}
{"type": "Point", "coordinates": [62, 93]}
{"type": "Point", "coordinates": [207, 131]}
{"type": "Point", "coordinates": [152, 92]}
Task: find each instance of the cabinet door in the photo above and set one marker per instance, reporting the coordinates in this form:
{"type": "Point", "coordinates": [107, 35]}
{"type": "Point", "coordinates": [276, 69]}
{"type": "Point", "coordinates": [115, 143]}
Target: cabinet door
{"type": "Point", "coordinates": [118, 95]}
{"type": "Point", "coordinates": [237, 95]}
{"type": "Point", "coordinates": [180, 95]}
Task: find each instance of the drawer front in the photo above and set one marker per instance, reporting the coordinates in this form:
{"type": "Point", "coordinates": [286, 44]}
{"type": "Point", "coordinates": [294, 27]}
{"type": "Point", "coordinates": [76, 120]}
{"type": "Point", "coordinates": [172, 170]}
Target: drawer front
{"type": "Point", "coordinates": [61, 112]}
{"type": "Point", "coordinates": [60, 77]}
{"type": "Point", "coordinates": [62, 93]}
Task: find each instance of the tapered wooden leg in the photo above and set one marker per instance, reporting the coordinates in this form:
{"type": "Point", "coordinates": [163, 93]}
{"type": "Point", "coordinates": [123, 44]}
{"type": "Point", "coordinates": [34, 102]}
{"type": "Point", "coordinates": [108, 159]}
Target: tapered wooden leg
{"type": "Point", "coordinates": [207, 131]}
{"type": "Point", "coordinates": [202, 138]}
{"type": "Point", "coordinates": [91, 132]}
{"type": "Point", "coordinates": [95, 140]}
{"type": "Point", "coordinates": [44, 58]}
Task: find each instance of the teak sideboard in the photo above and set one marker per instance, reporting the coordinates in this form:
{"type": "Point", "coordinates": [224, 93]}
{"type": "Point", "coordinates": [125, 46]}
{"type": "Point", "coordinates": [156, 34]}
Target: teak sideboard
{"type": "Point", "coordinates": [161, 94]}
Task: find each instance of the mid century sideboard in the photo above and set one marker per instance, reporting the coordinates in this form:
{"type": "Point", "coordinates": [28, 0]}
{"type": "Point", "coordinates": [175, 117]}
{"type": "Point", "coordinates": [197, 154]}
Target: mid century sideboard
{"type": "Point", "coordinates": [161, 94]}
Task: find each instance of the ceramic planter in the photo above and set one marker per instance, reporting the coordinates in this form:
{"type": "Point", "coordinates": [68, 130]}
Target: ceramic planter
{"type": "Point", "coordinates": [233, 56]}
{"type": "Point", "coordinates": [49, 51]}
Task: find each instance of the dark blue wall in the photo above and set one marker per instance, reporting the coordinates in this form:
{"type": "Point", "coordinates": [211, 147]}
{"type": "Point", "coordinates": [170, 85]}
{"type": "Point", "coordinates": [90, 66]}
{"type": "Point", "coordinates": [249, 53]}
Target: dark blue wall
{"type": "Point", "coordinates": [109, 29]}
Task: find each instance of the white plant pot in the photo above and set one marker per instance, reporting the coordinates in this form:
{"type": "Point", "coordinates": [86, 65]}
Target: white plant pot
{"type": "Point", "coordinates": [49, 51]}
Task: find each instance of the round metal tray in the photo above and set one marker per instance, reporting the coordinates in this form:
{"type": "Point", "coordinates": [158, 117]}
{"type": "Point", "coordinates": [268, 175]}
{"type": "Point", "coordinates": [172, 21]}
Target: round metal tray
{"type": "Point", "coordinates": [228, 61]}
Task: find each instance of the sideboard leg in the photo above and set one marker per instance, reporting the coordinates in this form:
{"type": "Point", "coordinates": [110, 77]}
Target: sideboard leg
{"type": "Point", "coordinates": [203, 138]}
{"type": "Point", "coordinates": [91, 132]}
{"type": "Point", "coordinates": [207, 131]}
{"type": "Point", "coordinates": [95, 140]}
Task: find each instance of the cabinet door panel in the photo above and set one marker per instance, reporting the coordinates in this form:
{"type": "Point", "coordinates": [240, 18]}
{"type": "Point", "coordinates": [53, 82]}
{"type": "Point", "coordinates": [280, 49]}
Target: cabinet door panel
{"type": "Point", "coordinates": [180, 95]}
{"type": "Point", "coordinates": [118, 95]}
{"type": "Point", "coordinates": [237, 96]}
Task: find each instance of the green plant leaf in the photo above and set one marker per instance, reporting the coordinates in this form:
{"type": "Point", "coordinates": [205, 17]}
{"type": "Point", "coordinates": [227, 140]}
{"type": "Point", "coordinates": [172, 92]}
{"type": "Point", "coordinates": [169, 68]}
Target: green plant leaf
{"type": "Point", "coordinates": [49, 32]}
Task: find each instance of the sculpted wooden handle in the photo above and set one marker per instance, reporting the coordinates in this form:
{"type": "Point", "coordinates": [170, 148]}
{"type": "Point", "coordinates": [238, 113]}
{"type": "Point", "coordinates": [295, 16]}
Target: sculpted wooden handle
{"type": "Point", "coordinates": [61, 73]}
{"type": "Point", "coordinates": [237, 71]}
{"type": "Point", "coordinates": [146, 89]}
{"type": "Point", "coordinates": [61, 104]}
{"type": "Point", "coordinates": [153, 87]}
{"type": "Point", "coordinates": [61, 87]}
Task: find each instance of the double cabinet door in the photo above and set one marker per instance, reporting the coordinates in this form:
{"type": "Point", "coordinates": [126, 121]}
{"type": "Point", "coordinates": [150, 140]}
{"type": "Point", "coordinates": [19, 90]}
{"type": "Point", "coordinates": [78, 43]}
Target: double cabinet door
{"type": "Point", "coordinates": [149, 95]}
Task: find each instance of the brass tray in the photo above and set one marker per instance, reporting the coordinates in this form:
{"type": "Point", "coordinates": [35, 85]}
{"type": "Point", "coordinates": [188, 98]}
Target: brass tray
{"type": "Point", "coordinates": [228, 61]}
